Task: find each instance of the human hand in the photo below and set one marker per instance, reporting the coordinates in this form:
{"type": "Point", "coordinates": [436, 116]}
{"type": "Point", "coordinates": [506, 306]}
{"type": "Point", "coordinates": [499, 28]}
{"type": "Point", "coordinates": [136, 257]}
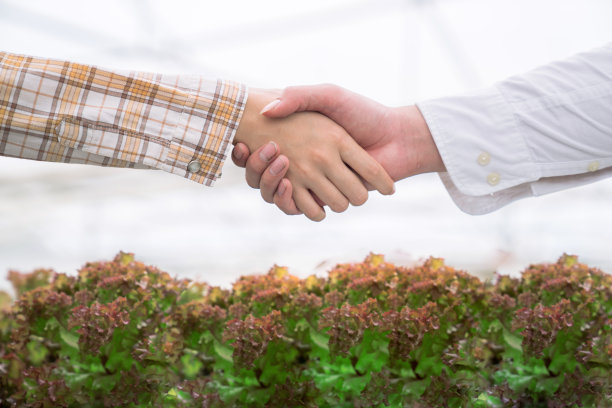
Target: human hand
{"type": "Point", "coordinates": [323, 157]}
{"type": "Point", "coordinates": [398, 138]}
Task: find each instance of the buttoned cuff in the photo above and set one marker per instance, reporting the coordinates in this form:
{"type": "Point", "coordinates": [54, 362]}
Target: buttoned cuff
{"type": "Point", "coordinates": [479, 142]}
{"type": "Point", "coordinates": [201, 142]}
{"type": "Point", "coordinates": [487, 160]}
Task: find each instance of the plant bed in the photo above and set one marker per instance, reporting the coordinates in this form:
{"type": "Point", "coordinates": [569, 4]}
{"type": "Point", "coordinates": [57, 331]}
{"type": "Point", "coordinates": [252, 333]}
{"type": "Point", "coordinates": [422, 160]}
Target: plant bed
{"type": "Point", "coordinates": [124, 334]}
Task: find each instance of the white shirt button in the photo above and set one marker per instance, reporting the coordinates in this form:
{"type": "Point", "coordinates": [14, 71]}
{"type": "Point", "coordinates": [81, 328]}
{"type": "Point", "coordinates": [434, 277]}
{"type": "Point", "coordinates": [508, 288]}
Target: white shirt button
{"type": "Point", "coordinates": [194, 166]}
{"type": "Point", "coordinates": [593, 166]}
{"type": "Point", "coordinates": [484, 158]}
{"type": "Point", "coordinates": [493, 179]}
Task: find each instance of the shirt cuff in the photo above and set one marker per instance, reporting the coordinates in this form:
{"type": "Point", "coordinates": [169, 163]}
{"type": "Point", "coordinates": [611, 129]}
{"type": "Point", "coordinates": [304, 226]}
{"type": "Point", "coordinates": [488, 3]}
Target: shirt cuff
{"type": "Point", "coordinates": [205, 131]}
{"type": "Point", "coordinates": [487, 160]}
{"type": "Point", "coordinates": [484, 204]}
{"type": "Point", "coordinates": [479, 142]}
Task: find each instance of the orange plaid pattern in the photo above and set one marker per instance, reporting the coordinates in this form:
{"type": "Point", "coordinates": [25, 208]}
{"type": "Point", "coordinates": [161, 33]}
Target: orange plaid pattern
{"type": "Point", "coordinates": [65, 112]}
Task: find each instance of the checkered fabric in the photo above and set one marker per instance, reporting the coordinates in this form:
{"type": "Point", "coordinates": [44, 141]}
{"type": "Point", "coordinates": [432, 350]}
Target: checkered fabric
{"type": "Point", "coordinates": [65, 112]}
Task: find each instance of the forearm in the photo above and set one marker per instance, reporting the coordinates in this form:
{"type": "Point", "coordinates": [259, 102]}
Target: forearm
{"type": "Point", "coordinates": [66, 112]}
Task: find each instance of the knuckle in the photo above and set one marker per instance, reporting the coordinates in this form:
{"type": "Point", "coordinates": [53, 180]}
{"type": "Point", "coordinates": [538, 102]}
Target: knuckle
{"type": "Point", "coordinates": [346, 143]}
{"type": "Point", "coordinates": [321, 157]}
{"type": "Point", "coordinates": [298, 167]}
{"type": "Point", "coordinates": [332, 93]}
{"type": "Point", "coordinates": [338, 137]}
{"type": "Point", "coordinates": [290, 90]}
{"type": "Point", "coordinates": [329, 88]}
{"type": "Point", "coordinates": [375, 171]}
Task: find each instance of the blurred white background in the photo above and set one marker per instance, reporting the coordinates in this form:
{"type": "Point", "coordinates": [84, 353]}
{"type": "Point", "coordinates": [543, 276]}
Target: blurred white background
{"type": "Point", "coordinates": [395, 51]}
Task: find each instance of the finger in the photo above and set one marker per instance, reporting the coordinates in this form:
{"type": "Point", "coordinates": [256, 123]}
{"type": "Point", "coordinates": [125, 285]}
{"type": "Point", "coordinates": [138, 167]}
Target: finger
{"type": "Point", "coordinates": [317, 199]}
{"type": "Point", "coordinates": [368, 168]}
{"type": "Point", "coordinates": [330, 195]}
{"type": "Point", "coordinates": [283, 198]}
{"type": "Point", "coordinates": [258, 162]}
{"type": "Point", "coordinates": [350, 184]}
{"type": "Point", "coordinates": [272, 176]}
{"type": "Point", "coordinates": [240, 154]}
{"type": "Point", "coordinates": [320, 98]}
{"type": "Point", "coordinates": [306, 204]}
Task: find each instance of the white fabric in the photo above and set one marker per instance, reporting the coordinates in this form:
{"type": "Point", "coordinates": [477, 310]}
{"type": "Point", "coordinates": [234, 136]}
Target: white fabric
{"type": "Point", "coordinates": [545, 131]}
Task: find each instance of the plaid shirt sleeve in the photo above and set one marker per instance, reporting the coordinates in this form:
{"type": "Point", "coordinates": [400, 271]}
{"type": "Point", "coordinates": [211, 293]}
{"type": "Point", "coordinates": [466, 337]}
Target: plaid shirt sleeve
{"type": "Point", "coordinates": [65, 112]}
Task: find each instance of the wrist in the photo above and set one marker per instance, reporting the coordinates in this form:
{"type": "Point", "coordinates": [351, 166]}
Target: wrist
{"type": "Point", "coordinates": [251, 121]}
{"type": "Point", "coordinates": [417, 141]}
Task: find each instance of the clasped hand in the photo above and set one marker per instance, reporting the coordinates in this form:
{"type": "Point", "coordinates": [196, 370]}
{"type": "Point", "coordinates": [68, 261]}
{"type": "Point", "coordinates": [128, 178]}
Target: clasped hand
{"type": "Point", "coordinates": [325, 165]}
{"type": "Point", "coordinates": [321, 164]}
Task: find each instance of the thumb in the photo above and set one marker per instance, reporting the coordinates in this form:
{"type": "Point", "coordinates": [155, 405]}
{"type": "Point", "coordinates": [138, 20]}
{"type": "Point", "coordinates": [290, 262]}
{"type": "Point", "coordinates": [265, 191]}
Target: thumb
{"type": "Point", "coordinates": [317, 98]}
{"type": "Point", "coordinates": [279, 108]}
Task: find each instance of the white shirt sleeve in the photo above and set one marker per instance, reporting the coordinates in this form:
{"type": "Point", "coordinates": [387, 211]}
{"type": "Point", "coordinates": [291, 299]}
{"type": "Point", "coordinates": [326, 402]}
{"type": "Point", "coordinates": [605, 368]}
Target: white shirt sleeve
{"type": "Point", "coordinates": [532, 134]}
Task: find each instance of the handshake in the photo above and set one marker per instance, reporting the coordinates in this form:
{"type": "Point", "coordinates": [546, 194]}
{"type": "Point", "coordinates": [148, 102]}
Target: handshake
{"type": "Point", "coordinates": [312, 146]}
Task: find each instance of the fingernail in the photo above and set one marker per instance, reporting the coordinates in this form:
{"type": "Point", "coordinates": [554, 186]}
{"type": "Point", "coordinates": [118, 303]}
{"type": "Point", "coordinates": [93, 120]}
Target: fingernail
{"type": "Point", "coordinates": [277, 166]}
{"type": "Point", "coordinates": [238, 154]}
{"type": "Point", "coordinates": [270, 106]}
{"type": "Point", "coordinates": [268, 152]}
{"type": "Point", "coordinates": [282, 188]}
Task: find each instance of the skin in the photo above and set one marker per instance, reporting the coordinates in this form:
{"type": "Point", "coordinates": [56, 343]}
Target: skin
{"type": "Point", "coordinates": [324, 165]}
{"type": "Point", "coordinates": [398, 138]}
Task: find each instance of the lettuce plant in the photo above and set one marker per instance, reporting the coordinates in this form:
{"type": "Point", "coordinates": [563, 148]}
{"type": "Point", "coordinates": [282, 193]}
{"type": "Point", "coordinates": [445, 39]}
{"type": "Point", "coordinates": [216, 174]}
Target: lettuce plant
{"type": "Point", "coordinates": [372, 334]}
